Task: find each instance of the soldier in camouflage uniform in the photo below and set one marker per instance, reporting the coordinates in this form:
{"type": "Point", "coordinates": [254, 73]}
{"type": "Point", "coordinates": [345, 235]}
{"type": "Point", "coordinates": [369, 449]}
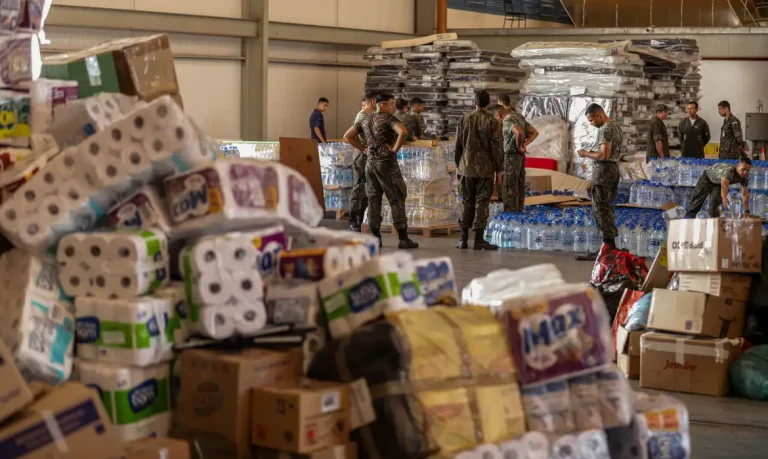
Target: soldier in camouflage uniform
{"type": "Point", "coordinates": [385, 135]}
{"type": "Point", "coordinates": [401, 113]}
{"type": "Point", "coordinates": [417, 106]}
{"type": "Point", "coordinates": [658, 138]}
{"type": "Point", "coordinates": [605, 180]}
{"type": "Point", "coordinates": [518, 134]}
{"type": "Point", "coordinates": [480, 159]}
{"type": "Point", "coordinates": [358, 200]}
{"type": "Point", "coordinates": [731, 135]}
{"type": "Point", "coordinates": [714, 182]}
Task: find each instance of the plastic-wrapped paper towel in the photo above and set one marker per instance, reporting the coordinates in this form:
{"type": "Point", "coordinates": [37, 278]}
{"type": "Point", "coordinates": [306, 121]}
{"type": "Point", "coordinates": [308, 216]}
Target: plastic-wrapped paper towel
{"type": "Point", "coordinates": [437, 280]}
{"type": "Point", "coordinates": [38, 320]}
{"type": "Point", "coordinates": [292, 303]}
{"type": "Point", "coordinates": [383, 284]}
{"type": "Point", "coordinates": [143, 209]}
{"type": "Point", "coordinates": [321, 263]}
{"type": "Point", "coordinates": [121, 264]}
{"type": "Point", "coordinates": [324, 237]}
{"type": "Point", "coordinates": [74, 190]}
{"type": "Point", "coordinates": [136, 332]}
{"type": "Point", "coordinates": [233, 193]}
{"type": "Point", "coordinates": [138, 400]}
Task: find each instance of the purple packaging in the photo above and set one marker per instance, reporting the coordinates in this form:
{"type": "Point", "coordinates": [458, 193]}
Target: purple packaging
{"type": "Point", "coordinates": [19, 59]}
{"type": "Point", "coordinates": [34, 14]}
{"type": "Point", "coordinates": [11, 14]}
{"type": "Point", "coordinates": [558, 335]}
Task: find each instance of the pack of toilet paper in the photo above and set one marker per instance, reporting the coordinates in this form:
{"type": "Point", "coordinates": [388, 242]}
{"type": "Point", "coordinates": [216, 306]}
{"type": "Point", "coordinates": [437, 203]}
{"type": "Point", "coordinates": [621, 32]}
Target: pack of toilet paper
{"type": "Point", "coordinates": [143, 209]}
{"type": "Point", "coordinates": [321, 262]}
{"type": "Point", "coordinates": [78, 119]}
{"type": "Point", "coordinates": [665, 423]}
{"type": "Point", "coordinates": [506, 284]}
{"type": "Point", "coordinates": [236, 193]}
{"type": "Point", "coordinates": [138, 400]}
{"type": "Point", "coordinates": [74, 190]}
{"type": "Point", "coordinates": [325, 237]}
{"type": "Point", "coordinates": [38, 319]}
{"type": "Point", "coordinates": [120, 264]}
{"type": "Point", "coordinates": [21, 58]}
{"type": "Point", "coordinates": [292, 303]}
{"type": "Point", "coordinates": [438, 281]}
{"type": "Point", "coordinates": [137, 331]}
{"type": "Point", "coordinates": [383, 284]}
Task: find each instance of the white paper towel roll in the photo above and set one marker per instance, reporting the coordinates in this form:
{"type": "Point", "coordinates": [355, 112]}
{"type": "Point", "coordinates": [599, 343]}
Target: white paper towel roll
{"type": "Point", "coordinates": [96, 246]}
{"type": "Point", "coordinates": [247, 286]}
{"type": "Point", "coordinates": [214, 288]}
{"type": "Point", "coordinates": [250, 319]}
{"type": "Point", "coordinates": [238, 254]}
{"type": "Point", "coordinates": [74, 280]}
{"type": "Point", "coordinates": [204, 256]}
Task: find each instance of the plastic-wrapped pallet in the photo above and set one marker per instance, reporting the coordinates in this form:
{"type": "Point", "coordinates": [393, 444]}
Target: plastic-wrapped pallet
{"type": "Point", "coordinates": [336, 172]}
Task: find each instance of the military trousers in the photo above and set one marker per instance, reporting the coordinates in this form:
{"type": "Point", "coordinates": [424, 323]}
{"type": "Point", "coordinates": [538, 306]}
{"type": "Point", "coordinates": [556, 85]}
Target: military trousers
{"type": "Point", "coordinates": [476, 195]}
{"type": "Point", "coordinates": [705, 188]}
{"type": "Point", "coordinates": [605, 186]}
{"type": "Point", "coordinates": [358, 200]}
{"type": "Point", "coordinates": [513, 189]}
{"type": "Point", "coordinates": [383, 178]}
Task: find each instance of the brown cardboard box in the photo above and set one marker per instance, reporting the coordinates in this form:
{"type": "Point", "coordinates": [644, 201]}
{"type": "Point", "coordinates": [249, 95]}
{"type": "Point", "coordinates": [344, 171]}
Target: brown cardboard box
{"type": "Point", "coordinates": [157, 448]}
{"type": "Point", "coordinates": [628, 352]}
{"type": "Point", "coordinates": [14, 393]}
{"type": "Point", "coordinates": [348, 451]}
{"type": "Point", "coordinates": [696, 314]}
{"type": "Point", "coordinates": [215, 396]}
{"type": "Point", "coordinates": [76, 413]}
{"type": "Point", "coordinates": [685, 364]}
{"type": "Point", "coordinates": [658, 275]}
{"type": "Point", "coordinates": [301, 418]}
{"type": "Point", "coordinates": [732, 286]}
{"type": "Point", "coordinates": [538, 183]}
{"type": "Point", "coordinates": [715, 245]}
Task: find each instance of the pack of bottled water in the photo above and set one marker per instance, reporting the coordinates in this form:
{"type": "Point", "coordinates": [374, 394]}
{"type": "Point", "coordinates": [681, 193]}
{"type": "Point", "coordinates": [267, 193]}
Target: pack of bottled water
{"type": "Point", "coordinates": [336, 154]}
{"type": "Point", "coordinates": [687, 171]}
{"type": "Point", "coordinates": [334, 177]}
{"type": "Point", "coordinates": [337, 199]}
{"type": "Point", "coordinates": [265, 151]}
{"type": "Point", "coordinates": [572, 229]}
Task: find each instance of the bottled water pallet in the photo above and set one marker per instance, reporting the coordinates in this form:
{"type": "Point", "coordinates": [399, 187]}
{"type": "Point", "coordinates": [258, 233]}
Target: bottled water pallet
{"type": "Point", "coordinates": [337, 214]}
{"type": "Point", "coordinates": [444, 229]}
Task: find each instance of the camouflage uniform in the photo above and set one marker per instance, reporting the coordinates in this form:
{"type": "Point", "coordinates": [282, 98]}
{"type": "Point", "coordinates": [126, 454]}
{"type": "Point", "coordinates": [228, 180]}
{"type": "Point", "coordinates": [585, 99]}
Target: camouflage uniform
{"type": "Point", "coordinates": [729, 134]}
{"type": "Point", "coordinates": [408, 122]}
{"type": "Point", "coordinates": [605, 182]}
{"type": "Point", "coordinates": [709, 185]}
{"type": "Point", "coordinates": [657, 132]}
{"type": "Point", "coordinates": [358, 201]}
{"type": "Point", "coordinates": [421, 126]}
{"type": "Point", "coordinates": [513, 194]}
{"type": "Point", "coordinates": [382, 173]}
{"type": "Point", "coordinates": [479, 156]}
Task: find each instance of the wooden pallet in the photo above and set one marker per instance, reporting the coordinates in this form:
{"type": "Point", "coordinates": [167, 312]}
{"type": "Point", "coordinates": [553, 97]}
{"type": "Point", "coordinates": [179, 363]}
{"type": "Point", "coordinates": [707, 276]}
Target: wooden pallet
{"type": "Point", "coordinates": [427, 231]}
{"type": "Point", "coordinates": [341, 214]}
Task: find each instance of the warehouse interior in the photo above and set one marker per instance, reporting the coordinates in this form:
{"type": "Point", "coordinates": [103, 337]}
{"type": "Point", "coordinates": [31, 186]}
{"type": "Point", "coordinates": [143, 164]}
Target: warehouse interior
{"type": "Point", "coordinates": [251, 72]}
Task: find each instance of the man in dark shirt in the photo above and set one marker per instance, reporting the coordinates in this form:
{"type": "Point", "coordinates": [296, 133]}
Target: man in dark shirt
{"type": "Point", "coordinates": [317, 122]}
{"type": "Point", "coordinates": [658, 138]}
{"type": "Point", "coordinates": [693, 132]}
{"type": "Point", "coordinates": [714, 182]}
{"type": "Point", "coordinates": [731, 136]}
{"type": "Point", "coordinates": [384, 134]}
{"type": "Point", "coordinates": [480, 159]}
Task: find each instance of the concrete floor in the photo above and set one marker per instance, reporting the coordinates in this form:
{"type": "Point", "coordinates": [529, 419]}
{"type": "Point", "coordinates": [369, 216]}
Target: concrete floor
{"type": "Point", "coordinates": [720, 427]}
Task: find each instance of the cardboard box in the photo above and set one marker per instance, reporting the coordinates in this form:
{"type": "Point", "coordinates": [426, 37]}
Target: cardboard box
{"type": "Point", "coordinates": [685, 364]}
{"type": "Point", "coordinates": [733, 286]}
{"type": "Point", "coordinates": [348, 451]}
{"type": "Point", "coordinates": [140, 67]}
{"type": "Point", "coordinates": [538, 183]}
{"type": "Point", "coordinates": [628, 352]}
{"type": "Point", "coordinates": [698, 314]}
{"type": "Point", "coordinates": [658, 275]}
{"type": "Point", "coordinates": [14, 393]}
{"type": "Point", "coordinates": [362, 412]}
{"type": "Point", "coordinates": [715, 245]}
{"type": "Point", "coordinates": [72, 410]}
{"type": "Point", "coordinates": [157, 448]}
{"type": "Point", "coordinates": [215, 397]}
{"type": "Point", "coordinates": [301, 418]}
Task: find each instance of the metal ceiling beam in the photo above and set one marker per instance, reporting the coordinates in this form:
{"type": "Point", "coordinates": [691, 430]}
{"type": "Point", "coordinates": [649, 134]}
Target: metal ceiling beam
{"type": "Point", "coordinates": [331, 35]}
{"type": "Point", "coordinates": [253, 74]}
{"type": "Point", "coordinates": [149, 21]}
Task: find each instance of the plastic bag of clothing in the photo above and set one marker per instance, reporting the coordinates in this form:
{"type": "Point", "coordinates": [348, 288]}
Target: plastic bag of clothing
{"type": "Point", "coordinates": [552, 141]}
{"type": "Point", "coordinates": [758, 296]}
{"type": "Point", "coordinates": [749, 374]}
{"type": "Point", "coordinates": [637, 319]}
{"type": "Point", "coordinates": [441, 381]}
{"type": "Point", "coordinates": [615, 271]}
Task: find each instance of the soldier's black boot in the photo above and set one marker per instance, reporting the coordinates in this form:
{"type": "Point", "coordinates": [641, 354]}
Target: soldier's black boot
{"type": "Point", "coordinates": [463, 240]}
{"type": "Point", "coordinates": [405, 242]}
{"type": "Point", "coordinates": [354, 223]}
{"type": "Point", "coordinates": [377, 233]}
{"type": "Point", "coordinates": [481, 243]}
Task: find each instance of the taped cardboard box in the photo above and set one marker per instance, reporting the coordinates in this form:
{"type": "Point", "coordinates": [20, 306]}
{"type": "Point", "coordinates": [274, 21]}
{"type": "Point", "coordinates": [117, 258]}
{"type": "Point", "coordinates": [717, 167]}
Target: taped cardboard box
{"type": "Point", "coordinates": [66, 423]}
{"type": "Point", "coordinates": [348, 451]}
{"type": "Point", "coordinates": [697, 314]}
{"type": "Point", "coordinates": [715, 245]}
{"type": "Point", "coordinates": [686, 364]}
{"type": "Point", "coordinates": [215, 399]}
{"type": "Point", "coordinates": [658, 274]}
{"type": "Point", "coordinates": [157, 448]}
{"type": "Point", "coordinates": [302, 417]}
{"type": "Point", "coordinates": [628, 352]}
{"type": "Point", "coordinates": [733, 286]}
{"type": "Point", "coordinates": [14, 393]}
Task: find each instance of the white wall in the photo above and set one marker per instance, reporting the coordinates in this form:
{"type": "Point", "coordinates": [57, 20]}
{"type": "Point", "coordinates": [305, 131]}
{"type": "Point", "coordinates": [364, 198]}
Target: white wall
{"type": "Point", "coordinates": [219, 8]}
{"type": "Point", "coordinates": [460, 19]}
{"type": "Point", "coordinates": [741, 83]}
{"type": "Point", "coordinates": [381, 15]}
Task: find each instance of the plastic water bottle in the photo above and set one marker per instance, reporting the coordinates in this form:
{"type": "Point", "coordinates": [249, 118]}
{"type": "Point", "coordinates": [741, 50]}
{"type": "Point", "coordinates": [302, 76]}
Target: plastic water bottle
{"type": "Point", "coordinates": [594, 241]}
{"type": "Point", "coordinates": [642, 241]}
{"type": "Point", "coordinates": [567, 236]}
{"type": "Point", "coordinates": [488, 236]}
{"type": "Point", "coordinates": [580, 238]}
{"type": "Point", "coordinates": [549, 238]}
{"type": "Point", "coordinates": [506, 234]}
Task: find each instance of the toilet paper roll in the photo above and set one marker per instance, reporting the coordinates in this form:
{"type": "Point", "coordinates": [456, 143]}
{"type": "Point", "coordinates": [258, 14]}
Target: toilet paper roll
{"type": "Point", "coordinates": [314, 264]}
{"type": "Point", "coordinates": [217, 322]}
{"type": "Point", "coordinates": [238, 254]}
{"type": "Point", "coordinates": [35, 231]}
{"type": "Point", "coordinates": [71, 249]}
{"type": "Point", "coordinates": [488, 452]}
{"type": "Point", "coordinates": [12, 215]}
{"type": "Point", "coordinates": [156, 148]}
{"type": "Point", "coordinates": [54, 208]}
{"type": "Point", "coordinates": [292, 303]}
{"type": "Point", "coordinates": [212, 288]}
{"type": "Point", "coordinates": [135, 162]}
{"type": "Point", "coordinates": [68, 161]}
{"type": "Point", "coordinates": [117, 138]}
{"type": "Point", "coordinates": [75, 281]}
{"type": "Point", "coordinates": [111, 174]}
{"type": "Point", "coordinates": [204, 255]}
{"type": "Point", "coordinates": [140, 124]}
{"type": "Point", "coordinates": [250, 319]}
{"type": "Point", "coordinates": [51, 179]}
{"type": "Point", "coordinates": [128, 285]}
{"type": "Point", "coordinates": [166, 112]}
{"type": "Point", "coordinates": [537, 445]}
{"type": "Point", "coordinates": [585, 399]}
{"type": "Point", "coordinates": [148, 246]}
{"type": "Point", "coordinates": [30, 195]}
{"type": "Point", "coordinates": [247, 286]}
{"type": "Point", "coordinates": [566, 447]}
{"type": "Point", "coordinates": [96, 249]}
{"type": "Point", "coordinates": [514, 449]}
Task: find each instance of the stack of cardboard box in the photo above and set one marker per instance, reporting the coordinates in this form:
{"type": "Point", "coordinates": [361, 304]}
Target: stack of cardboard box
{"type": "Point", "coordinates": [696, 329]}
